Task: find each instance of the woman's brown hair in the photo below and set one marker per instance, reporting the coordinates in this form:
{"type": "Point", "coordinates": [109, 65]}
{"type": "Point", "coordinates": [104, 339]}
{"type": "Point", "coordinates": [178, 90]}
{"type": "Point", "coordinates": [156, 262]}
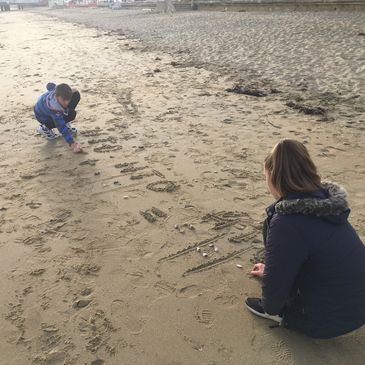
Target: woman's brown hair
{"type": "Point", "coordinates": [291, 169]}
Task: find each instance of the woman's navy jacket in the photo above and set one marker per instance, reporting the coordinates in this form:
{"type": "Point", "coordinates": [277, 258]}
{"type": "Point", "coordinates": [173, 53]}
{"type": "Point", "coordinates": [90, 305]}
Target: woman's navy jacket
{"type": "Point", "coordinates": [315, 264]}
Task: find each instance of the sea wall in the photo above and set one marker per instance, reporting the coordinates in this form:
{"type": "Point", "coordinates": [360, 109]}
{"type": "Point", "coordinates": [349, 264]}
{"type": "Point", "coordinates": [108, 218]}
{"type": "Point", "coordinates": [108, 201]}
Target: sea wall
{"type": "Point", "coordinates": [274, 5]}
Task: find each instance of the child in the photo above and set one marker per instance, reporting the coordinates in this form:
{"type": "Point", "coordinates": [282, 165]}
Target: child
{"type": "Point", "coordinates": [56, 109]}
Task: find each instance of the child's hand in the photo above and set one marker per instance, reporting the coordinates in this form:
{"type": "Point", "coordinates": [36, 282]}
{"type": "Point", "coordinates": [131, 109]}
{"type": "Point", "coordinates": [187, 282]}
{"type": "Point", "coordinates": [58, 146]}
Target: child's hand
{"type": "Point", "coordinates": [76, 148]}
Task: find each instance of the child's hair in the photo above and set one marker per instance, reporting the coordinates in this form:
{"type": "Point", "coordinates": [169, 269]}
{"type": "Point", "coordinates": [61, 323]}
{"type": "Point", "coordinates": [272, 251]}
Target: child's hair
{"type": "Point", "coordinates": [291, 169]}
{"type": "Point", "coordinates": [64, 91]}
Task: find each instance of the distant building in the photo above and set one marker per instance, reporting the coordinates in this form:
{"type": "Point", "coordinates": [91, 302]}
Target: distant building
{"type": "Point", "coordinates": [30, 2]}
{"type": "Point", "coordinates": [56, 3]}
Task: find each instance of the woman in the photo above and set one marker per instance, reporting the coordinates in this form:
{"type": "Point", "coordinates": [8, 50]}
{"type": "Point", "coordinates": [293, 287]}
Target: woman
{"type": "Point", "coordinates": [313, 279]}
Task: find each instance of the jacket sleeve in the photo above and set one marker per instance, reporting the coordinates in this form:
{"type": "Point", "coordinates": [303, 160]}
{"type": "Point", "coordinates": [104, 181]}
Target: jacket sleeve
{"type": "Point", "coordinates": [285, 254]}
{"type": "Point", "coordinates": [62, 127]}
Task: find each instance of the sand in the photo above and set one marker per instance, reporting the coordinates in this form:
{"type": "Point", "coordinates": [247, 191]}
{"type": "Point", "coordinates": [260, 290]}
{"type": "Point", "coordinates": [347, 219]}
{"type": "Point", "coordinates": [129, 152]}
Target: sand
{"type": "Point", "coordinates": [86, 278]}
{"type": "Point", "coordinates": [315, 57]}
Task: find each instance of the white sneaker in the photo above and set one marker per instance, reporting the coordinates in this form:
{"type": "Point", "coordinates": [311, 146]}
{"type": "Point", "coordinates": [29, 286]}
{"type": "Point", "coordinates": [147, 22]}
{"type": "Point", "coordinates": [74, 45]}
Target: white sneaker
{"type": "Point", "coordinates": [71, 129]}
{"type": "Point", "coordinates": [46, 132]}
{"type": "Point", "coordinates": [254, 305]}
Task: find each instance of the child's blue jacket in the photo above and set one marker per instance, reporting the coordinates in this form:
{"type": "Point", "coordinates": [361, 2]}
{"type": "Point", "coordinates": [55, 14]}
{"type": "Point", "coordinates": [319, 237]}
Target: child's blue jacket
{"type": "Point", "coordinates": [47, 107]}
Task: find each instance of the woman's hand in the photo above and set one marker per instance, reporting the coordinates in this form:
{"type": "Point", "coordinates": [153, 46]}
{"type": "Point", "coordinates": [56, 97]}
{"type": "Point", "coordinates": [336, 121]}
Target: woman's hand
{"type": "Point", "coordinates": [76, 147]}
{"type": "Point", "coordinates": [258, 270]}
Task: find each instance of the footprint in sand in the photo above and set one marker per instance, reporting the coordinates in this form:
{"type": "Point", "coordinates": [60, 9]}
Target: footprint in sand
{"type": "Point", "coordinates": [118, 307]}
{"type": "Point", "coordinates": [204, 316]}
{"type": "Point", "coordinates": [86, 269]}
{"type": "Point", "coordinates": [37, 241]}
{"type": "Point", "coordinates": [52, 358]}
{"type": "Point", "coordinates": [134, 324]}
{"type": "Point", "coordinates": [97, 330]}
{"type": "Point", "coordinates": [50, 339]}
{"type": "Point", "coordinates": [282, 353]}
{"type": "Point", "coordinates": [227, 300]}
{"type": "Point", "coordinates": [138, 279]}
{"type": "Point", "coordinates": [164, 288]}
{"type": "Point", "coordinates": [122, 314]}
{"type": "Point", "coordinates": [191, 291]}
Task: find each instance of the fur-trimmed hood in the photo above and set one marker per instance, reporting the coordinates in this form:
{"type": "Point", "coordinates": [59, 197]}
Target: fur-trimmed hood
{"type": "Point", "coordinates": [330, 201]}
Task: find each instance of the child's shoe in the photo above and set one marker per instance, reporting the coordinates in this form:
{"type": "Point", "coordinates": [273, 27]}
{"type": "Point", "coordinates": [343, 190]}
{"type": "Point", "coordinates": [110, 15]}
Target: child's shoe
{"type": "Point", "coordinates": [46, 132]}
{"type": "Point", "coordinates": [71, 129]}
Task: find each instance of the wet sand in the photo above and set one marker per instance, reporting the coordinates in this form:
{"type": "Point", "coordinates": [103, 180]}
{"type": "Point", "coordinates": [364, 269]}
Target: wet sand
{"type": "Point", "coordinates": [87, 278]}
{"type": "Point", "coordinates": [314, 58]}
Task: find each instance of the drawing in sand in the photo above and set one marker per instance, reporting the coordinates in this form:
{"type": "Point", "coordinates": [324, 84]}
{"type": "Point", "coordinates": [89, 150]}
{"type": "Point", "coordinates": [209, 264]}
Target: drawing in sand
{"type": "Point", "coordinates": [213, 210]}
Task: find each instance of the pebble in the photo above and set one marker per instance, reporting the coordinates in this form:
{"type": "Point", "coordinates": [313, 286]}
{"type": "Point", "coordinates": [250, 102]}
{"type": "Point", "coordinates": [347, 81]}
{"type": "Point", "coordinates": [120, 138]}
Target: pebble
{"type": "Point", "coordinates": [50, 329]}
{"type": "Point", "coordinates": [198, 249]}
{"type": "Point", "coordinates": [97, 173]}
{"type": "Point", "coordinates": [205, 254]}
{"type": "Point", "coordinates": [125, 197]}
{"type": "Point", "coordinates": [239, 266]}
{"type": "Point", "coordinates": [82, 303]}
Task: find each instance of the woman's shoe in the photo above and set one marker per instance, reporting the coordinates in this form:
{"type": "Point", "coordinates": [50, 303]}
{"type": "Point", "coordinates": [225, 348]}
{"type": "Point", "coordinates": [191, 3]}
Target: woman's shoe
{"type": "Point", "coordinates": [255, 306]}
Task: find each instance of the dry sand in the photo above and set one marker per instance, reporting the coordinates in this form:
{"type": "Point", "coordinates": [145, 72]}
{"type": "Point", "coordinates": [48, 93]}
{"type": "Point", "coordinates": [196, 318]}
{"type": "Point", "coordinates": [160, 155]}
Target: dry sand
{"type": "Point", "coordinates": [86, 279]}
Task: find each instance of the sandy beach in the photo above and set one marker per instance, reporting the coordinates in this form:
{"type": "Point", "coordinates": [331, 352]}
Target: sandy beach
{"type": "Point", "coordinates": [314, 58]}
{"type": "Point", "coordinates": [98, 251]}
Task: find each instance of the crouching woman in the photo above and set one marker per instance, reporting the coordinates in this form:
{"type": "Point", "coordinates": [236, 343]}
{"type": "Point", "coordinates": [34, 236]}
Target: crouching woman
{"type": "Point", "coordinates": [313, 279]}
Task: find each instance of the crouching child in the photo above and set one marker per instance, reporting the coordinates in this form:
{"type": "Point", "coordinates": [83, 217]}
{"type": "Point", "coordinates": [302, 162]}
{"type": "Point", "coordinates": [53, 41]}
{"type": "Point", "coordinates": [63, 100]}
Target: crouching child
{"type": "Point", "coordinates": [56, 109]}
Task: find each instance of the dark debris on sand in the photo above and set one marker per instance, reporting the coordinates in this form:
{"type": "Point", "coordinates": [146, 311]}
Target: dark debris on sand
{"type": "Point", "coordinates": [246, 91]}
{"type": "Point", "coordinates": [307, 109]}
